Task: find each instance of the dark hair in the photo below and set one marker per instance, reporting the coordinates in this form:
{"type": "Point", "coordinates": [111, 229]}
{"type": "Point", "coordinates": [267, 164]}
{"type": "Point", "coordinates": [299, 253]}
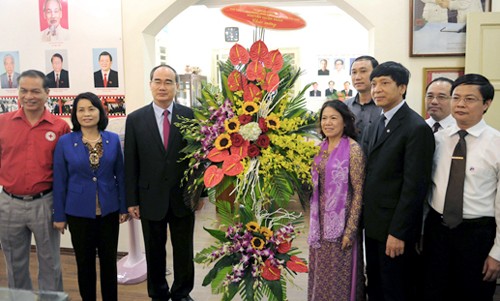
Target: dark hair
{"type": "Point", "coordinates": [96, 102]}
{"type": "Point", "coordinates": [177, 78]}
{"type": "Point", "coordinates": [366, 58]}
{"type": "Point", "coordinates": [338, 60]}
{"type": "Point", "coordinates": [347, 115]}
{"type": "Point", "coordinates": [106, 53]}
{"type": "Point", "coordinates": [485, 87]}
{"type": "Point", "coordinates": [56, 55]}
{"type": "Point", "coordinates": [394, 70]}
{"type": "Point", "coordinates": [35, 74]}
{"type": "Point", "coordinates": [439, 79]}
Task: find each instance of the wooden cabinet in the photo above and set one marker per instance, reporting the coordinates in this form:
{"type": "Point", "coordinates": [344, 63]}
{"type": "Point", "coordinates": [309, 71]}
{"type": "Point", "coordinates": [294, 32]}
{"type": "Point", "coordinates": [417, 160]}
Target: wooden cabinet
{"type": "Point", "coordinates": [190, 89]}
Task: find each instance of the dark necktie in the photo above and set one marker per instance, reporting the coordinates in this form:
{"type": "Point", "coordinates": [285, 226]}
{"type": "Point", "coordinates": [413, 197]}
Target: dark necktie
{"type": "Point", "coordinates": [435, 127]}
{"type": "Point", "coordinates": [454, 199]}
{"type": "Point", "coordinates": [105, 82]}
{"type": "Point", "coordinates": [10, 81]}
{"type": "Point", "coordinates": [166, 128]}
{"type": "Point", "coordinates": [57, 80]}
{"type": "Point", "coordinates": [381, 127]}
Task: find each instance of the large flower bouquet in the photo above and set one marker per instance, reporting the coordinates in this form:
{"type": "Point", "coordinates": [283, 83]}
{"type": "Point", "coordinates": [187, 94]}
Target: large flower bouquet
{"type": "Point", "coordinates": [250, 139]}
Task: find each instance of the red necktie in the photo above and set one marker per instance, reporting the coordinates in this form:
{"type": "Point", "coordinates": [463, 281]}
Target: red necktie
{"type": "Point", "coordinates": [166, 128]}
{"type": "Point", "coordinates": [105, 80]}
{"type": "Point", "coordinates": [10, 81]}
{"type": "Point", "coordinates": [57, 80]}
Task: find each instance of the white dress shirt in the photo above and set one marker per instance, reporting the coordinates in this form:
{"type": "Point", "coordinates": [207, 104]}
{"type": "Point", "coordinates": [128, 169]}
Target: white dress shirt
{"type": "Point", "coordinates": [443, 124]}
{"type": "Point", "coordinates": [482, 174]}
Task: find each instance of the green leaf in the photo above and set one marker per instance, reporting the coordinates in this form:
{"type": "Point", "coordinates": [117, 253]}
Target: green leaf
{"type": "Point", "coordinates": [217, 287]}
{"type": "Point", "coordinates": [222, 263]}
{"type": "Point", "coordinates": [204, 254]}
{"type": "Point", "coordinates": [218, 234]}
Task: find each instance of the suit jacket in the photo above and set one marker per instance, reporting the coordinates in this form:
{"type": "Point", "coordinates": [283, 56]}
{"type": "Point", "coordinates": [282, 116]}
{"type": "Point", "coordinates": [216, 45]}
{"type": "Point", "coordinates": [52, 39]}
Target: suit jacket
{"type": "Point", "coordinates": [63, 79]}
{"type": "Point", "coordinates": [153, 174]}
{"type": "Point", "coordinates": [4, 78]}
{"type": "Point", "coordinates": [398, 174]}
{"type": "Point", "coordinates": [76, 184]}
{"type": "Point", "coordinates": [315, 93]}
{"type": "Point", "coordinates": [112, 79]}
{"type": "Point", "coordinates": [328, 92]}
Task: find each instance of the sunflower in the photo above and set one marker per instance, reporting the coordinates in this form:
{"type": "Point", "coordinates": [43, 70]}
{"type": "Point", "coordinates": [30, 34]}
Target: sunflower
{"type": "Point", "coordinates": [253, 227]}
{"type": "Point", "coordinates": [232, 125]}
{"type": "Point", "coordinates": [250, 108]}
{"type": "Point", "coordinates": [273, 122]}
{"type": "Point", "coordinates": [268, 233]}
{"type": "Point", "coordinates": [258, 243]}
{"type": "Point", "coordinates": [223, 141]}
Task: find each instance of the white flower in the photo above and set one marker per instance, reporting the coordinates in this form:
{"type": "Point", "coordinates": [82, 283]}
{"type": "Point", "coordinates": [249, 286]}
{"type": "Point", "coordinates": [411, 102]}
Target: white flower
{"type": "Point", "coordinates": [250, 131]}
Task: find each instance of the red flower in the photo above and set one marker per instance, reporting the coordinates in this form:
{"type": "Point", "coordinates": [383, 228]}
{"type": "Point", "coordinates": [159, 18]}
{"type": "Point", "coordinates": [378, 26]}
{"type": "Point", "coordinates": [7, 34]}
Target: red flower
{"type": "Point", "coordinates": [213, 176]}
{"type": "Point", "coordinates": [272, 81]}
{"type": "Point", "coordinates": [284, 247]}
{"type": "Point", "coordinates": [274, 61]}
{"type": "Point", "coordinates": [263, 125]}
{"type": "Point", "coordinates": [237, 139]}
{"type": "Point", "coordinates": [297, 265]}
{"type": "Point", "coordinates": [252, 93]}
{"type": "Point", "coordinates": [253, 151]}
{"type": "Point", "coordinates": [244, 119]}
{"type": "Point", "coordinates": [216, 155]}
{"type": "Point", "coordinates": [234, 81]}
{"type": "Point", "coordinates": [270, 272]}
{"type": "Point", "coordinates": [256, 71]}
{"type": "Point", "coordinates": [241, 150]}
{"type": "Point", "coordinates": [258, 51]}
{"type": "Point", "coordinates": [238, 55]}
{"type": "Point", "coordinates": [232, 165]}
{"type": "Point", "coordinates": [263, 141]}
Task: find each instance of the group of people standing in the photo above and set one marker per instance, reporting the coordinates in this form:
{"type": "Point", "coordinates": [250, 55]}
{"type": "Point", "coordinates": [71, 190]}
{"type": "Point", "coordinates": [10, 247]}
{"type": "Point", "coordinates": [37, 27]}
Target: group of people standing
{"type": "Point", "coordinates": [54, 180]}
{"type": "Point", "coordinates": [425, 193]}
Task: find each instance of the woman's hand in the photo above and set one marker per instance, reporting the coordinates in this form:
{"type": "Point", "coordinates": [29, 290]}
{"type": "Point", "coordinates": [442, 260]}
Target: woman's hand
{"type": "Point", "coordinates": [346, 243]}
{"type": "Point", "coordinates": [123, 217]}
{"type": "Point", "coordinates": [59, 226]}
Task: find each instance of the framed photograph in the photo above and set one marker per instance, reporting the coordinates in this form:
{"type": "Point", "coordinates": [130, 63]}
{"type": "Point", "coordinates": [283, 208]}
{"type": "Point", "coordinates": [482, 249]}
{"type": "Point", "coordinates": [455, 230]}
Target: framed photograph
{"type": "Point", "coordinates": [432, 73]}
{"type": "Point", "coordinates": [438, 27]}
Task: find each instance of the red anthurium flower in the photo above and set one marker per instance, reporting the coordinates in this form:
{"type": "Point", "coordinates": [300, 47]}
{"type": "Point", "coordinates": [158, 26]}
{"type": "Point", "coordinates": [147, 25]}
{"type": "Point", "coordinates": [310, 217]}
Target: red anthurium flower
{"type": "Point", "coordinates": [216, 155]}
{"type": "Point", "coordinates": [256, 71]}
{"type": "Point", "coordinates": [258, 51]}
{"type": "Point", "coordinates": [274, 61]}
{"type": "Point", "coordinates": [238, 55]}
{"type": "Point", "coordinates": [232, 165]}
{"type": "Point", "coordinates": [252, 93]}
{"type": "Point", "coordinates": [234, 81]}
{"type": "Point", "coordinates": [213, 176]}
{"type": "Point", "coordinates": [270, 272]}
{"type": "Point", "coordinates": [241, 150]}
{"type": "Point", "coordinates": [297, 265]}
{"type": "Point", "coordinates": [284, 247]}
{"type": "Point", "coordinates": [272, 81]}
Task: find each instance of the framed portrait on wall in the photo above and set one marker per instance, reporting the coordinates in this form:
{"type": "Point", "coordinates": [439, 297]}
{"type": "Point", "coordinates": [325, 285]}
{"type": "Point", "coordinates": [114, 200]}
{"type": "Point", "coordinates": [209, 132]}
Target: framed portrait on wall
{"type": "Point", "coordinates": [439, 27]}
{"type": "Point", "coordinates": [433, 73]}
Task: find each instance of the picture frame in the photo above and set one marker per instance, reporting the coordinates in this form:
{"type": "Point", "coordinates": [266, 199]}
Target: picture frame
{"type": "Point", "coordinates": [431, 73]}
{"type": "Point", "coordinates": [438, 31]}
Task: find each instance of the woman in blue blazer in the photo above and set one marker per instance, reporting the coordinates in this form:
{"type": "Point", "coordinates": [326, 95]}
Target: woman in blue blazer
{"type": "Point", "coordinates": [89, 195]}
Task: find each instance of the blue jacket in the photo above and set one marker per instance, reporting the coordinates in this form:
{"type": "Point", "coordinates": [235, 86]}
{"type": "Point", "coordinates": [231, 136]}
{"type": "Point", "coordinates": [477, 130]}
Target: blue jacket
{"type": "Point", "coordinates": [76, 184]}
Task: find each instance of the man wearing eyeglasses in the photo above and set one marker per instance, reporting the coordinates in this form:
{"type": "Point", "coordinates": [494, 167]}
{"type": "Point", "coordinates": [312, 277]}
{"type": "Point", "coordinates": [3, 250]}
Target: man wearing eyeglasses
{"type": "Point", "coordinates": [462, 230]}
{"type": "Point", "coordinates": [437, 104]}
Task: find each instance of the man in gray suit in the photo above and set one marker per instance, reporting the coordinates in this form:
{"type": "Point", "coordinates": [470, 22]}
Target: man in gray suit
{"type": "Point", "coordinates": [9, 78]}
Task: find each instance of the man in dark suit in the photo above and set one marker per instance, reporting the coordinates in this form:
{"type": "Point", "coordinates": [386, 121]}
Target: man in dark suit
{"type": "Point", "coordinates": [59, 77]}
{"type": "Point", "coordinates": [331, 89]}
{"type": "Point", "coordinates": [106, 77]}
{"type": "Point", "coordinates": [315, 92]}
{"type": "Point", "coordinates": [399, 146]}
{"type": "Point", "coordinates": [153, 176]}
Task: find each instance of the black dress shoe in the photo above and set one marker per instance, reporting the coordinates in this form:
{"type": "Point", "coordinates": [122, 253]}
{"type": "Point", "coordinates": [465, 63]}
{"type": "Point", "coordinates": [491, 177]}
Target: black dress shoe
{"type": "Point", "coordinates": [188, 298]}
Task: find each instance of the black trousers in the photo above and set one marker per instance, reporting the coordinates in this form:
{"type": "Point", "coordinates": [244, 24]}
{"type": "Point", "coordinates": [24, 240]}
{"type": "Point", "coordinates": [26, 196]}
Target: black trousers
{"type": "Point", "coordinates": [390, 279]}
{"type": "Point", "coordinates": [454, 259]}
{"type": "Point", "coordinates": [155, 239]}
{"type": "Point", "coordinates": [87, 236]}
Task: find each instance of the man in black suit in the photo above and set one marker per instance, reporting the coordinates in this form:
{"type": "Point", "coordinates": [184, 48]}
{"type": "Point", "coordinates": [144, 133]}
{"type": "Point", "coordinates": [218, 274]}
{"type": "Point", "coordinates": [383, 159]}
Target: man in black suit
{"type": "Point", "coordinates": [153, 177]}
{"type": "Point", "coordinates": [59, 77]}
{"type": "Point", "coordinates": [106, 77]}
{"type": "Point", "coordinates": [315, 92]}
{"type": "Point", "coordinates": [399, 146]}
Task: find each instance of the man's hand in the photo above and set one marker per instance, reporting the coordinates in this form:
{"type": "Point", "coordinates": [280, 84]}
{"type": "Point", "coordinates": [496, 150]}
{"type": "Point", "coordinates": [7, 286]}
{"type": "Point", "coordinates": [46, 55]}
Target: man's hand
{"type": "Point", "coordinates": [394, 247]}
{"type": "Point", "coordinates": [134, 212]}
{"type": "Point", "coordinates": [346, 243]}
{"type": "Point", "coordinates": [123, 217]}
{"type": "Point", "coordinates": [59, 226]}
{"type": "Point", "coordinates": [491, 269]}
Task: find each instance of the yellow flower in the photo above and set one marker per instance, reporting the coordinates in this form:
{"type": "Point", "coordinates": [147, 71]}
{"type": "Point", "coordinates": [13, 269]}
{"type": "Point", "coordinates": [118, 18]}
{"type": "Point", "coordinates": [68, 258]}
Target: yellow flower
{"type": "Point", "coordinates": [273, 122]}
{"type": "Point", "coordinates": [250, 108]}
{"type": "Point", "coordinates": [223, 141]}
{"type": "Point", "coordinates": [268, 233]}
{"type": "Point", "coordinates": [258, 243]}
{"type": "Point", "coordinates": [253, 227]}
{"type": "Point", "coordinates": [232, 125]}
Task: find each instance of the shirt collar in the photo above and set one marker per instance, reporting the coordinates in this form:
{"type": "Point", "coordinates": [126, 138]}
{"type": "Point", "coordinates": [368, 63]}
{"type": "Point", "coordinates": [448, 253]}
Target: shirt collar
{"type": "Point", "coordinates": [46, 116]}
{"type": "Point", "coordinates": [389, 114]}
{"type": "Point", "coordinates": [475, 130]}
{"type": "Point", "coordinates": [159, 111]}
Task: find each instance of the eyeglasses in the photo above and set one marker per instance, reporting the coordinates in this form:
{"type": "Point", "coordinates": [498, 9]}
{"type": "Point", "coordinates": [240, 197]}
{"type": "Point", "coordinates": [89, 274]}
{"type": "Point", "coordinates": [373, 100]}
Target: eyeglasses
{"type": "Point", "coordinates": [439, 98]}
{"type": "Point", "coordinates": [467, 99]}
